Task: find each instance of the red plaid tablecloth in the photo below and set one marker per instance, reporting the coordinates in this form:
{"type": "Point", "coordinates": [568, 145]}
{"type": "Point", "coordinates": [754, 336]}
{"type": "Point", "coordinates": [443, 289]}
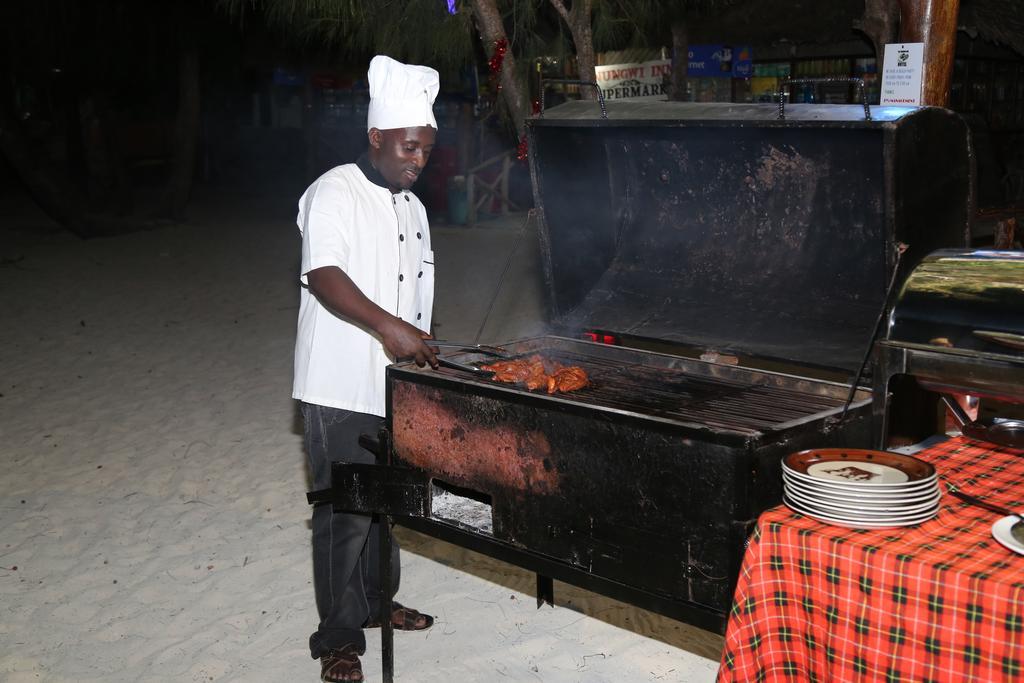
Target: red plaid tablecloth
{"type": "Point", "coordinates": [942, 601]}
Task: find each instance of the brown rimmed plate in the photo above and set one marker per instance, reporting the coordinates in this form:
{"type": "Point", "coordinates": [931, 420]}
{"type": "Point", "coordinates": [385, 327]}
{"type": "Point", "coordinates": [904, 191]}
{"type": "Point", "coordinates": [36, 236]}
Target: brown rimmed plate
{"type": "Point", "coordinates": [859, 467]}
{"type": "Point", "coordinates": [908, 494]}
{"type": "Point", "coordinates": [853, 503]}
{"type": "Point", "coordinates": [857, 523]}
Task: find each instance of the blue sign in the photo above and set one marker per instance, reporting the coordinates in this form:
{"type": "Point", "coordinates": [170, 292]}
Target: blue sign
{"type": "Point", "coordinates": [285, 77]}
{"type": "Point", "coordinates": [742, 62]}
{"type": "Point", "coordinates": [720, 61]}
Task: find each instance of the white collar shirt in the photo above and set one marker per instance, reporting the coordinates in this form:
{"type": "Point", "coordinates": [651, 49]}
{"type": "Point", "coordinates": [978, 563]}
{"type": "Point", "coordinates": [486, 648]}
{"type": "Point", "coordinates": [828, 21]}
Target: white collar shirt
{"type": "Point", "coordinates": [382, 242]}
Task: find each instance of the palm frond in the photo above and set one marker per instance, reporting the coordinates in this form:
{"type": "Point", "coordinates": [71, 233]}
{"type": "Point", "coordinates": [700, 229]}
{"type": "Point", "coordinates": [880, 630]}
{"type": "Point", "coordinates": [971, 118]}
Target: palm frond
{"type": "Point", "coordinates": [413, 30]}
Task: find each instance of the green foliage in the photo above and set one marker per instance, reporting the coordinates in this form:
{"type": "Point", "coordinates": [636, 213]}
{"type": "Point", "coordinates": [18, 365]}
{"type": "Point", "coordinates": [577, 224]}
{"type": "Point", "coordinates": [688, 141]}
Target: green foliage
{"type": "Point", "coordinates": [619, 24]}
{"type": "Point", "coordinates": [422, 31]}
{"type": "Point", "coordinates": [536, 30]}
{"type": "Point", "coordinates": [419, 31]}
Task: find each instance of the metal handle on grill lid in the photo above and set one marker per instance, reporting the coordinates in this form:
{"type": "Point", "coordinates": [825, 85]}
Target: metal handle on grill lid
{"type": "Point", "coordinates": [572, 81]}
{"type": "Point", "coordinates": [825, 79]}
{"type": "Point", "coordinates": [1008, 339]}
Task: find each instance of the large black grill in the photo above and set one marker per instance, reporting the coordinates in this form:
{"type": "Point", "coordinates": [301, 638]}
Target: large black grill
{"type": "Point", "coordinates": [684, 231]}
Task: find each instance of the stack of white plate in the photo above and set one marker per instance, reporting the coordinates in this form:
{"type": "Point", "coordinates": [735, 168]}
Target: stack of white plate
{"type": "Point", "coordinates": [859, 488]}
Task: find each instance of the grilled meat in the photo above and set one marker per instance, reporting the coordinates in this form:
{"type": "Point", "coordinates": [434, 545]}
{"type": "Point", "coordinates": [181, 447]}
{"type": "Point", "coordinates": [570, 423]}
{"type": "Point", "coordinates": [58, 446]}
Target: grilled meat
{"type": "Point", "coordinates": [537, 372]}
{"type": "Point", "coordinates": [567, 379]}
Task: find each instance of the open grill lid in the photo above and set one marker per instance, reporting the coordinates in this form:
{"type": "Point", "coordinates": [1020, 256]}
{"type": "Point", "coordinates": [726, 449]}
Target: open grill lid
{"type": "Point", "coordinates": [719, 226]}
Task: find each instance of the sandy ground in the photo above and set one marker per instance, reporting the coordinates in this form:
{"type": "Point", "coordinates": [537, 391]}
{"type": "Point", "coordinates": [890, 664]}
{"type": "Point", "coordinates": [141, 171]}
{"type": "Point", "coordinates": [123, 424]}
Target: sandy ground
{"type": "Point", "coordinates": [154, 520]}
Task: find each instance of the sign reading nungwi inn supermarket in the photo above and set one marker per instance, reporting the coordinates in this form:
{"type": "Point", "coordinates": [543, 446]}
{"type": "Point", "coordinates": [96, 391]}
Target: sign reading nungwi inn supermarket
{"type": "Point", "coordinates": [633, 81]}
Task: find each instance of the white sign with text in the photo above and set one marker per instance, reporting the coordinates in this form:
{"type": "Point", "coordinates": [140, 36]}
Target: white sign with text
{"type": "Point", "coordinates": [634, 81]}
{"type": "Point", "coordinates": [901, 74]}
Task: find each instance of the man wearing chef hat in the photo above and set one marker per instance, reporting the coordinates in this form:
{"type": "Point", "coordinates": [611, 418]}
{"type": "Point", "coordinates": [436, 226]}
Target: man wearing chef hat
{"type": "Point", "coordinates": [366, 299]}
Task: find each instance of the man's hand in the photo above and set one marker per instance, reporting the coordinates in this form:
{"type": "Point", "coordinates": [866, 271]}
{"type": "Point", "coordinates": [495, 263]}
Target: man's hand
{"type": "Point", "coordinates": [403, 340]}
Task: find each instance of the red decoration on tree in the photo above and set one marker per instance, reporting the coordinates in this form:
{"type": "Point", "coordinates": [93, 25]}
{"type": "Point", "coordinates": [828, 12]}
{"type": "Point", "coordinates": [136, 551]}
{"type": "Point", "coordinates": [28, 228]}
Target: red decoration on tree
{"type": "Point", "coordinates": [496, 60]}
{"type": "Point", "coordinates": [521, 151]}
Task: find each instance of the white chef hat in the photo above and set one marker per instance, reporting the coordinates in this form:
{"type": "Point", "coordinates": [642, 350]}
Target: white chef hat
{"type": "Point", "coordinates": [401, 95]}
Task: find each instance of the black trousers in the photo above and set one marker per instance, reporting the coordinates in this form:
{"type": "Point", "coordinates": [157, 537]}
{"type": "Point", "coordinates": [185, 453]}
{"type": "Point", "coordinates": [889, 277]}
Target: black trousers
{"type": "Point", "coordinates": [346, 576]}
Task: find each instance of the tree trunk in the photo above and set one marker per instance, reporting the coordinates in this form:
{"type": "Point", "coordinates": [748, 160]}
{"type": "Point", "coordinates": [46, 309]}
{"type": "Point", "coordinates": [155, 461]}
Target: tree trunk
{"type": "Point", "coordinates": [57, 197]}
{"type": "Point", "coordinates": [492, 30]}
{"type": "Point", "coordinates": [578, 19]}
{"type": "Point", "coordinates": [108, 186]}
{"type": "Point", "coordinates": [59, 200]}
{"type": "Point", "coordinates": [48, 185]}
{"type": "Point", "coordinates": [186, 132]}
{"type": "Point", "coordinates": [880, 23]}
{"type": "Point", "coordinates": [932, 22]}
{"type": "Point", "coordinates": [680, 62]}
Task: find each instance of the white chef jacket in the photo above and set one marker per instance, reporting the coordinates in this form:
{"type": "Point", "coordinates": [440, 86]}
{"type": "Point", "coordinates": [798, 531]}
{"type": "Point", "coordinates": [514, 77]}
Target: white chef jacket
{"type": "Point", "coordinates": [348, 218]}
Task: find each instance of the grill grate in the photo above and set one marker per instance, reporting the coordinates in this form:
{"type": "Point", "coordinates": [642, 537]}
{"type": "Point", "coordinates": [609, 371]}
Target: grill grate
{"type": "Point", "coordinates": [719, 403]}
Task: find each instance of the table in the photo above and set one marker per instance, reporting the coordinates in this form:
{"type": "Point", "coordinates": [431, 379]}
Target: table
{"type": "Point", "coordinates": [942, 601]}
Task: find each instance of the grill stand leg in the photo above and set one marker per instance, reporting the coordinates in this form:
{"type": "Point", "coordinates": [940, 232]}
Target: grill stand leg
{"type": "Point", "coordinates": [545, 590]}
{"type": "Point", "coordinates": [387, 632]}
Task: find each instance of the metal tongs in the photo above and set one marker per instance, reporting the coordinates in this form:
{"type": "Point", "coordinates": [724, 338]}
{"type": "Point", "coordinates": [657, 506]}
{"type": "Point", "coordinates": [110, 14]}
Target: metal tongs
{"type": "Point", "coordinates": [472, 369]}
{"type": "Point", "coordinates": [485, 349]}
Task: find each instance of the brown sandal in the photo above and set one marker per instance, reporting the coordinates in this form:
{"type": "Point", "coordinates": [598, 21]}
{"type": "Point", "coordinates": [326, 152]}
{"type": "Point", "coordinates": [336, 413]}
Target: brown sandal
{"type": "Point", "coordinates": [341, 665]}
{"type": "Point", "coordinates": [403, 619]}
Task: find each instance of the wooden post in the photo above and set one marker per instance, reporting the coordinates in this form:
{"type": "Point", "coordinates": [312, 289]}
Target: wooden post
{"type": "Point", "coordinates": [1005, 234]}
{"type": "Point", "coordinates": [932, 22]}
{"type": "Point", "coordinates": [506, 167]}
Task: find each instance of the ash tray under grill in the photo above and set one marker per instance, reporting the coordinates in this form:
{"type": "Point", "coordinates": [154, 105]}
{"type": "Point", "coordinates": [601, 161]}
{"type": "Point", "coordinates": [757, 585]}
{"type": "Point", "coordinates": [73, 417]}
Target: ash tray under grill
{"type": "Point", "coordinates": [998, 431]}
